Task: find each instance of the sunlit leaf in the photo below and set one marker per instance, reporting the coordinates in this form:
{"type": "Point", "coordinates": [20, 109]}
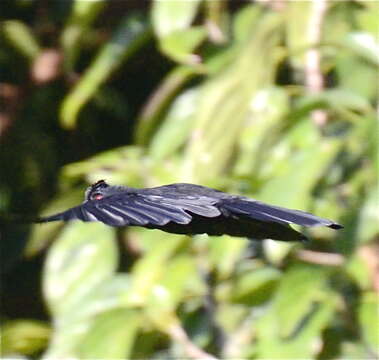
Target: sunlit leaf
{"type": "Point", "coordinates": [82, 15]}
{"type": "Point", "coordinates": [288, 330]}
{"type": "Point", "coordinates": [170, 16]}
{"type": "Point", "coordinates": [143, 277]}
{"type": "Point", "coordinates": [369, 319]}
{"type": "Point", "coordinates": [367, 226]}
{"type": "Point", "coordinates": [128, 37]}
{"type": "Point", "coordinates": [176, 125]}
{"type": "Point", "coordinates": [21, 37]}
{"type": "Point", "coordinates": [365, 45]}
{"type": "Point", "coordinates": [227, 96]}
{"type": "Point", "coordinates": [25, 337]}
{"type": "Point", "coordinates": [255, 286]}
{"type": "Point", "coordinates": [83, 257]}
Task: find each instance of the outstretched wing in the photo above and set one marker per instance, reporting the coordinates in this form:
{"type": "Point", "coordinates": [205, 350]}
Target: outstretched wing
{"type": "Point", "coordinates": [264, 212]}
{"type": "Point", "coordinates": [139, 209]}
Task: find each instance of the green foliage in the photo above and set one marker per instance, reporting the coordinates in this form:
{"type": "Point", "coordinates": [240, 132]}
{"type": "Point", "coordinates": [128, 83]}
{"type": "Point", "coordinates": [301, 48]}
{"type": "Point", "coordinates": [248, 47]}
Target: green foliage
{"type": "Point", "coordinates": [232, 111]}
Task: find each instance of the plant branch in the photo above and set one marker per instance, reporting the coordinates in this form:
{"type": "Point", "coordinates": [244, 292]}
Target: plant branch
{"type": "Point", "coordinates": [313, 76]}
{"type": "Point", "coordinates": [178, 334]}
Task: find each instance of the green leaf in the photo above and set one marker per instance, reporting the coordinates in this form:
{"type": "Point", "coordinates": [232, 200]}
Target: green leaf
{"type": "Point", "coordinates": [179, 282]}
{"type": "Point", "coordinates": [369, 319]}
{"type": "Point", "coordinates": [368, 221]}
{"type": "Point", "coordinates": [176, 125]}
{"type": "Point", "coordinates": [297, 23]}
{"type": "Point", "coordinates": [301, 309]}
{"type": "Point", "coordinates": [143, 277]}
{"type": "Point", "coordinates": [155, 106]}
{"type": "Point", "coordinates": [297, 171]}
{"type": "Point", "coordinates": [224, 253]}
{"type": "Point", "coordinates": [25, 337]}
{"type": "Point", "coordinates": [244, 21]}
{"type": "Point", "coordinates": [227, 96]}
{"type": "Point", "coordinates": [171, 22]}
{"type": "Point", "coordinates": [111, 336]}
{"type": "Point", "coordinates": [337, 99]}
{"type": "Point", "coordinates": [118, 166]}
{"type": "Point", "coordinates": [83, 14]}
{"type": "Point", "coordinates": [302, 285]}
{"type": "Point", "coordinates": [170, 16]}
{"type": "Point", "coordinates": [268, 108]}
{"type": "Point", "coordinates": [256, 286]}
{"type": "Point", "coordinates": [83, 257]}
{"type": "Point", "coordinates": [21, 37]}
{"type": "Point", "coordinates": [364, 44]}
{"type": "Point", "coordinates": [355, 75]}
{"type": "Point", "coordinates": [180, 44]}
{"type": "Point", "coordinates": [127, 39]}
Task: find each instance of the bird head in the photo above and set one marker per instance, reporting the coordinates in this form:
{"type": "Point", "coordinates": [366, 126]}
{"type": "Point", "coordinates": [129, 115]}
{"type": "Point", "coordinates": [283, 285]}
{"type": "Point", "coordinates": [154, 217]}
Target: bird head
{"type": "Point", "coordinates": [97, 191]}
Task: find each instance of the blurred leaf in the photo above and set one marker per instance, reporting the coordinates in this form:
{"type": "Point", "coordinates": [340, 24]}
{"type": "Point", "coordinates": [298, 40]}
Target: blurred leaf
{"type": "Point", "coordinates": [176, 125]}
{"type": "Point", "coordinates": [367, 227]}
{"type": "Point", "coordinates": [173, 288]}
{"type": "Point", "coordinates": [20, 36]}
{"type": "Point", "coordinates": [236, 117]}
{"type": "Point", "coordinates": [150, 114]}
{"type": "Point", "coordinates": [290, 331]}
{"type": "Point", "coordinates": [170, 16]}
{"type": "Point", "coordinates": [355, 74]}
{"type": "Point", "coordinates": [143, 278]}
{"type": "Point", "coordinates": [302, 346]}
{"type": "Point", "coordinates": [299, 161]}
{"type": "Point", "coordinates": [82, 15]}
{"type": "Point", "coordinates": [364, 44]}
{"type": "Point", "coordinates": [227, 96]}
{"type": "Point", "coordinates": [369, 319]}
{"type": "Point", "coordinates": [127, 39]}
{"type": "Point", "coordinates": [42, 234]}
{"type": "Point", "coordinates": [224, 253]}
{"type": "Point", "coordinates": [312, 280]}
{"type": "Point", "coordinates": [267, 109]}
{"type": "Point", "coordinates": [25, 337]}
{"type": "Point", "coordinates": [358, 269]}
{"type": "Point", "coordinates": [244, 21]}
{"type": "Point", "coordinates": [337, 99]}
{"type": "Point", "coordinates": [82, 257]}
{"type": "Point", "coordinates": [171, 22]}
{"type": "Point", "coordinates": [118, 166]}
{"type": "Point", "coordinates": [179, 45]}
{"type": "Point", "coordinates": [256, 286]}
{"type": "Point", "coordinates": [111, 336]}
{"type": "Point", "coordinates": [367, 17]}
{"type": "Point", "coordinates": [297, 19]}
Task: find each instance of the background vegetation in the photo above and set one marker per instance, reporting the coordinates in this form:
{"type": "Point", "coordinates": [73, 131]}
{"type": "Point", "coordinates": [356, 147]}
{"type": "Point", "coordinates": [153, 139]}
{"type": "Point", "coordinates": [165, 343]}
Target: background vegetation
{"type": "Point", "coordinates": [271, 99]}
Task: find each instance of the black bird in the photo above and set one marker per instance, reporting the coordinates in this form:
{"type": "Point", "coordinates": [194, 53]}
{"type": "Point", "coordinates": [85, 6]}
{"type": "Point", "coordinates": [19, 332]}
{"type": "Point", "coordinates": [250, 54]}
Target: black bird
{"type": "Point", "coordinates": [189, 209]}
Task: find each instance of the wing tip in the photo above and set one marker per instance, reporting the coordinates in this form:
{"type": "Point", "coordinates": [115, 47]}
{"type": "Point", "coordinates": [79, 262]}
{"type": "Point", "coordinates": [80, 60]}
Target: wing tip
{"type": "Point", "coordinates": [336, 226]}
{"type": "Point", "coordinates": [41, 220]}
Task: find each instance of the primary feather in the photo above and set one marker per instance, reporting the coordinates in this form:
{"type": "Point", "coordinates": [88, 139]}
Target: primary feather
{"type": "Point", "coordinates": [189, 209]}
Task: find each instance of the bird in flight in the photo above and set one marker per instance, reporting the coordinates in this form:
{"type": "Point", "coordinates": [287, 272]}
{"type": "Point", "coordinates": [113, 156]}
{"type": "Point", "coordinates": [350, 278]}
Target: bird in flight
{"type": "Point", "coordinates": [189, 209]}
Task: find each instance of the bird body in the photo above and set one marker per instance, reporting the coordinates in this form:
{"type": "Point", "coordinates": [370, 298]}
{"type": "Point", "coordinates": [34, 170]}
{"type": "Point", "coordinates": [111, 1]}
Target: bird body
{"type": "Point", "coordinates": [189, 209]}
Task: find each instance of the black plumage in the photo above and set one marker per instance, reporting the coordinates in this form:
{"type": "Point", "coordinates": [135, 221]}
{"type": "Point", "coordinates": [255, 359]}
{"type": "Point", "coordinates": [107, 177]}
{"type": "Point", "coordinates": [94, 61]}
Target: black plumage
{"type": "Point", "coordinates": [189, 209]}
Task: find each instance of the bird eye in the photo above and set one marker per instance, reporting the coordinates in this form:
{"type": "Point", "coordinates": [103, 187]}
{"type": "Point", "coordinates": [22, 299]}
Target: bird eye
{"type": "Point", "coordinates": [97, 196]}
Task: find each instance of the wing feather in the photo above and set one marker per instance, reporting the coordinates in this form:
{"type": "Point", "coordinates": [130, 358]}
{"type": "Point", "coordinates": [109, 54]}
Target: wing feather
{"type": "Point", "coordinates": [139, 209]}
{"type": "Point", "coordinates": [264, 212]}
{"type": "Point", "coordinates": [199, 205]}
{"type": "Point", "coordinates": [164, 213]}
{"type": "Point", "coordinates": [133, 216]}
